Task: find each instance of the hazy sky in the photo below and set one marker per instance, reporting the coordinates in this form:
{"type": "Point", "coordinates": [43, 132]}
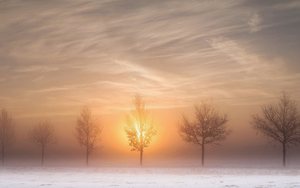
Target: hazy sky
{"type": "Point", "coordinates": [56, 56]}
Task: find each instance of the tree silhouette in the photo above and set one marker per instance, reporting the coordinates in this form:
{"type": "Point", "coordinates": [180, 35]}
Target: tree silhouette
{"type": "Point", "coordinates": [43, 135]}
{"type": "Point", "coordinates": [209, 127]}
{"type": "Point", "coordinates": [88, 131]}
{"type": "Point", "coordinates": [139, 127]}
{"type": "Point", "coordinates": [7, 135]}
{"type": "Point", "coordinates": [280, 122]}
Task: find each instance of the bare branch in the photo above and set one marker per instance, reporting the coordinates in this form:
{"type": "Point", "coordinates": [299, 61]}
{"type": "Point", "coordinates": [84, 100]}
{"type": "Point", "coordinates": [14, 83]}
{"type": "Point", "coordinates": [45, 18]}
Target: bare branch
{"type": "Point", "coordinates": [43, 134]}
{"type": "Point", "coordinates": [209, 127]}
{"type": "Point", "coordinates": [139, 127]}
{"type": "Point", "coordinates": [280, 121]}
{"type": "Point", "coordinates": [88, 131]}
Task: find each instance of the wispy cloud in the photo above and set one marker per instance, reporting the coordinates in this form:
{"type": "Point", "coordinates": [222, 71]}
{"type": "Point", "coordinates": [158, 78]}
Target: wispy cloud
{"type": "Point", "coordinates": [36, 68]}
{"type": "Point", "coordinates": [254, 23]}
{"type": "Point", "coordinates": [173, 51]}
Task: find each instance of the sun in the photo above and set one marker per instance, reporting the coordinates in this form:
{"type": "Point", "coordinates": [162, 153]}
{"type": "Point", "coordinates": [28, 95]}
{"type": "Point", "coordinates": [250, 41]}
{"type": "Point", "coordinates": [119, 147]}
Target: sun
{"type": "Point", "coordinates": [138, 131]}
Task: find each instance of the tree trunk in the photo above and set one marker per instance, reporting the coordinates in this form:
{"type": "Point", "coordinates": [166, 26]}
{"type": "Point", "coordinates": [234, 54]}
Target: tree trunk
{"type": "Point", "coordinates": [43, 155]}
{"type": "Point", "coordinates": [142, 147]}
{"type": "Point", "coordinates": [141, 157]}
{"type": "Point", "coordinates": [2, 155]}
{"type": "Point", "coordinates": [284, 154]}
{"type": "Point", "coordinates": [87, 156]}
{"type": "Point", "coordinates": [202, 163]}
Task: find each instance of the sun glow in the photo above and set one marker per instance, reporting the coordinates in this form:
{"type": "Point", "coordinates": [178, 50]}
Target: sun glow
{"type": "Point", "coordinates": [138, 131]}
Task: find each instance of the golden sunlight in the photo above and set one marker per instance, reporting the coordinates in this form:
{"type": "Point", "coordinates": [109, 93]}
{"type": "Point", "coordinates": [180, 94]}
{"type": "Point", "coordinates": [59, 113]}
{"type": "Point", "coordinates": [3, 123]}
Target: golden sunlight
{"type": "Point", "coordinates": [138, 132]}
{"type": "Point", "coordinates": [139, 127]}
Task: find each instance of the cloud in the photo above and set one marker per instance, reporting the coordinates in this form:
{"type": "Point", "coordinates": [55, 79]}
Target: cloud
{"type": "Point", "coordinates": [256, 77]}
{"type": "Point", "coordinates": [254, 23]}
{"type": "Point", "coordinates": [34, 68]}
{"type": "Point", "coordinates": [174, 52]}
{"type": "Point", "coordinates": [245, 61]}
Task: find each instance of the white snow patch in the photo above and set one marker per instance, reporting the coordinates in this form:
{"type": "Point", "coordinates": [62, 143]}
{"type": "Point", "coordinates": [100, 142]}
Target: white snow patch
{"type": "Point", "coordinates": [68, 177]}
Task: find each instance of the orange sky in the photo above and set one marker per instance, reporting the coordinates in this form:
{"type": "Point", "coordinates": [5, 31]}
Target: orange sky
{"type": "Point", "coordinates": [242, 147]}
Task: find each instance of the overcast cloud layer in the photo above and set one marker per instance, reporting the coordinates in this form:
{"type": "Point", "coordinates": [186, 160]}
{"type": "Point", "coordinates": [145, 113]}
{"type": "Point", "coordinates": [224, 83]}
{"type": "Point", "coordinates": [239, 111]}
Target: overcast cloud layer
{"type": "Point", "coordinates": [57, 55]}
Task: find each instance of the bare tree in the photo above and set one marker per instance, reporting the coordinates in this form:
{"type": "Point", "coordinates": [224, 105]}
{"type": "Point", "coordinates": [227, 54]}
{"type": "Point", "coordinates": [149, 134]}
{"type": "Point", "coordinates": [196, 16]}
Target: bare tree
{"type": "Point", "coordinates": [210, 127]}
{"type": "Point", "coordinates": [7, 135]}
{"type": "Point", "coordinates": [139, 127]}
{"type": "Point", "coordinates": [88, 131]}
{"type": "Point", "coordinates": [43, 135]}
{"type": "Point", "coordinates": [280, 122]}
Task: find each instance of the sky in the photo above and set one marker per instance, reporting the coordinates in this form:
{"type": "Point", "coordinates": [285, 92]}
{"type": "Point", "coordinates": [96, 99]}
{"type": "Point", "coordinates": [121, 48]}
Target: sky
{"type": "Point", "coordinates": [58, 56]}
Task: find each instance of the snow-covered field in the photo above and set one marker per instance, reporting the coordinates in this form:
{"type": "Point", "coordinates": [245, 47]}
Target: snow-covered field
{"type": "Point", "coordinates": [71, 177]}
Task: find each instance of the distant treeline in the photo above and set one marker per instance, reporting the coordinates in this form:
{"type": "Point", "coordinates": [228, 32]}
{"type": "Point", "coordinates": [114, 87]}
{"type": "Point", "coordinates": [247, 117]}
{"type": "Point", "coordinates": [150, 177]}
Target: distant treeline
{"type": "Point", "coordinates": [279, 122]}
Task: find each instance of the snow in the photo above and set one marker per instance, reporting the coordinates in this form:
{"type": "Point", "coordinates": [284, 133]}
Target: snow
{"type": "Point", "coordinates": [73, 177]}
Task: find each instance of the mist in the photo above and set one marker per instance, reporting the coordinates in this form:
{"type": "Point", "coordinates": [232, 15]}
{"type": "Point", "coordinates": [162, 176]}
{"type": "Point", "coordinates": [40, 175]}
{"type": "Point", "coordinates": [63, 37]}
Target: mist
{"type": "Point", "coordinates": [243, 148]}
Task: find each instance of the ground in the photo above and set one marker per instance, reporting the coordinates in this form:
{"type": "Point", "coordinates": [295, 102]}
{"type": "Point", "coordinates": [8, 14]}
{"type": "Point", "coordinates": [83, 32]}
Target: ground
{"type": "Point", "coordinates": [73, 177]}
